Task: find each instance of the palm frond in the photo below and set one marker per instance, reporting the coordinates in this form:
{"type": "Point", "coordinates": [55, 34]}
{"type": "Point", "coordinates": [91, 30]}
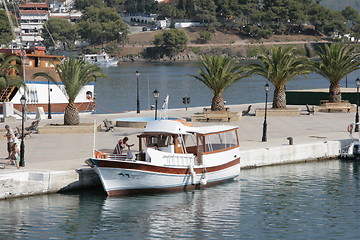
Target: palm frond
{"type": "Point", "coordinates": [74, 75]}
{"type": "Point", "coordinates": [336, 61]}
{"type": "Point", "coordinates": [218, 73]}
{"type": "Point", "coordinates": [280, 65]}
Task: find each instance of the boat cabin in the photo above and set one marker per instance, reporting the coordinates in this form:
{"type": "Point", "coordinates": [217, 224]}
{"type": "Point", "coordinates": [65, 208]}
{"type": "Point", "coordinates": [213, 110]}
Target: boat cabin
{"type": "Point", "coordinates": [177, 139]}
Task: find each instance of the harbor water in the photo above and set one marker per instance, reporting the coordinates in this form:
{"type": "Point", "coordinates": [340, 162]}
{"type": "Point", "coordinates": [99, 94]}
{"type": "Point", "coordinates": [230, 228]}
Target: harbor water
{"type": "Point", "coordinates": [118, 93]}
{"type": "Point", "coordinates": [316, 200]}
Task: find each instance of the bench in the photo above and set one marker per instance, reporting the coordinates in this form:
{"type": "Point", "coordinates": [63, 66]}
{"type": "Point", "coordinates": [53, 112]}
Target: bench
{"type": "Point", "coordinates": [216, 116]}
{"type": "Point", "coordinates": [209, 109]}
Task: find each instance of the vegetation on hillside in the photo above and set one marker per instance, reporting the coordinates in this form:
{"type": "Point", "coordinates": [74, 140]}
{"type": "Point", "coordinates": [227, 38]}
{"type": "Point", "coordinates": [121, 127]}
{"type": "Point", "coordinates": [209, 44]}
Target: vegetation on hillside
{"type": "Point", "coordinates": [5, 29]}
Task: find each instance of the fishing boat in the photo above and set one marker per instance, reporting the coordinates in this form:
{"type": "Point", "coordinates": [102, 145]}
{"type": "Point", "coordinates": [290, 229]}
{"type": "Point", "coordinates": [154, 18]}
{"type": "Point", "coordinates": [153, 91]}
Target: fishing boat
{"type": "Point", "coordinates": [102, 59]}
{"type": "Point", "coordinates": [40, 92]}
{"type": "Point", "coordinates": [174, 157]}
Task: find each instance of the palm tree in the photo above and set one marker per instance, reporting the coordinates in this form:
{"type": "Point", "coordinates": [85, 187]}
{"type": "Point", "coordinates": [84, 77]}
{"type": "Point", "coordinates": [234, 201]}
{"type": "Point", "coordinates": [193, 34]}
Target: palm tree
{"type": "Point", "coordinates": [336, 61]}
{"type": "Point", "coordinates": [279, 66]}
{"type": "Point", "coordinates": [74, 75]}
{"type": "Point", "coordinates": [218, 73]}
{"type": "Point", "coordinates": [8, 71]}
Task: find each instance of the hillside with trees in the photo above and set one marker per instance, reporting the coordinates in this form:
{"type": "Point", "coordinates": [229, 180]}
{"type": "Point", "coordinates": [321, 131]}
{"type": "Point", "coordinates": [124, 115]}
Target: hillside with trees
{"type": "Point", "coordinates": [253, 20]}
{"type": "Point", "coordinates": [340, 4]}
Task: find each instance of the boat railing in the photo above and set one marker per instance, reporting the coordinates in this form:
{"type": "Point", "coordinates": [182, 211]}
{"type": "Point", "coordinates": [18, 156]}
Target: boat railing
{"type": "Point", "coordinates": [180, 160]}
{"type": "Point", "coordinates": [116, 156]}
{"type": "Point", "coordinates": [102, 155]}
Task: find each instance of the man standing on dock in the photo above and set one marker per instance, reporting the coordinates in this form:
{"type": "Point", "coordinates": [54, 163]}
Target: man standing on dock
{"type": "Point", "coordinates": [10, 139]}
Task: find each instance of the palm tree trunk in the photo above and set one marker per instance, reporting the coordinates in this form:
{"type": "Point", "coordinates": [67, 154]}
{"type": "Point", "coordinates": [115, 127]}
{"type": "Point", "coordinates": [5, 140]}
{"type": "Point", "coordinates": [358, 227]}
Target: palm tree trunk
{"type": "Point", "coordinates": [71, 115]}
{"type": "Point", "coordinates": [279, 100]}
{"type": "Point", "coordinates": [217, 103]}
{"type": "Point", "coordinates": [334, 93]}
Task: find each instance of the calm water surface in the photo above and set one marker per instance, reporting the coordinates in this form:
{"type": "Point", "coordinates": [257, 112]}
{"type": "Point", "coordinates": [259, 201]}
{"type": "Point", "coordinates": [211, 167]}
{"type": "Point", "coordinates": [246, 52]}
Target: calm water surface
{"type": "Point", "coordinates": [119, 92]}
{"type": "Point", "coordinates": [317, 200]}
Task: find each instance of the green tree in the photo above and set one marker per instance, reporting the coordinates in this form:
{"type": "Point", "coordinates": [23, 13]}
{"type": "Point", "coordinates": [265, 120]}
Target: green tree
{"type": "Point", "coordinates": [9, 67]}
{"type": "Point", "coordinates": [336, 61]}
{"type": "Point", "coordinates": [218, 73]}
{"type": "Point", "coordinates": [205, 36]}
{"type": "Point", "coordinates": [74, 75]}
{"type": "Point", "coordinates": [5, 30]}
{"type": "Point", "coordinates": [62, 32]}
{"type": "Point", "coordinates": [102, 25]}
{"type": "Point", "coordinates": [172, 41]}
{"type": "Point", "coordinates": [140, 6]}
{"type": "Point", "coordinates": [82, 4]}
{"type": "Point", "coordinates": [279, 66]}
{"type": "Point", "coordinates": [204, 11]}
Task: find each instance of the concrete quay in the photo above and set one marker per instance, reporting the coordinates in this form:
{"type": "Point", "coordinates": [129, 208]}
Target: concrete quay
{"type": "Point", "coordinates": [55, 161]}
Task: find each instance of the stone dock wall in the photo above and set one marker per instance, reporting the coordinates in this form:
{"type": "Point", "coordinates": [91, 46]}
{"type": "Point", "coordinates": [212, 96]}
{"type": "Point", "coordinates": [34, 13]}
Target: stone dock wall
{"type": "Point", "coordinates": [18, 184]}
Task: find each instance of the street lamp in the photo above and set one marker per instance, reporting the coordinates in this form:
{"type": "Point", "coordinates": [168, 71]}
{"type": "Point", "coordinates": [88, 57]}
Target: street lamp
{"type": "Point", "coordinates": [267, 88]}
{"type": "Point", "coordinates": [156, 95]}
{"type": "Point", "coordinates": [357, 81]}
{"type": "Point", "coordinates": [49, 104]}
{"type": "Point", "coordinates": [137, 92]}
{"type": "Point", "coordinates": [22, 145]}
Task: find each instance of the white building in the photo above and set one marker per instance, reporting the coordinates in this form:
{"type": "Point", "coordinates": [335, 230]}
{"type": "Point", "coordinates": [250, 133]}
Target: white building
{"type": "Point", "coordinates": [32, 18]}
{"type": "Point", "coordinates": [60, 6]}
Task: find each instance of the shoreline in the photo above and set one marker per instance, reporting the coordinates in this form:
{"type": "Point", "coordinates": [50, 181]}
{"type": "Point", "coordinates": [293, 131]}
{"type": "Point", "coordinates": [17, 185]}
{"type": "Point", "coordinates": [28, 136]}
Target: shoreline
{"type": "Point", "coordinates": [55, 162]}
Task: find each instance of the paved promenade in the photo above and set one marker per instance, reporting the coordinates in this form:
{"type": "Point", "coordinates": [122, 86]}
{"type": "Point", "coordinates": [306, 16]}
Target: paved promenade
{"type": "Point", "coordinates": [68, 151]}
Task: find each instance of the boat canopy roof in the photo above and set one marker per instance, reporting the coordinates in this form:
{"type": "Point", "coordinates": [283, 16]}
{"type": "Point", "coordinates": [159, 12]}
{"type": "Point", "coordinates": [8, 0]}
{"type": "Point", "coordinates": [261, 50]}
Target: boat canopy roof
{"type": "Point", "coordinates": [176, 127]}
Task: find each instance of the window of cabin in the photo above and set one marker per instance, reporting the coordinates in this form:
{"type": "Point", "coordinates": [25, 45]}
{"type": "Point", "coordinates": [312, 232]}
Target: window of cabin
{"type": "Point", "coordinates": [159, 140]}
{"type": "Point", "coordinates": [221, 141]}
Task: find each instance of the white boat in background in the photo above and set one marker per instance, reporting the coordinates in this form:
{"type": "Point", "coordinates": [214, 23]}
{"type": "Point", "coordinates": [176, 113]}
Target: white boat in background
{"type": "Point", "coordinates": [102, 59]}
{"type": "Point", "coordinates": [39, 91]}
{"type": "Point", "coordinates": [175, 157]}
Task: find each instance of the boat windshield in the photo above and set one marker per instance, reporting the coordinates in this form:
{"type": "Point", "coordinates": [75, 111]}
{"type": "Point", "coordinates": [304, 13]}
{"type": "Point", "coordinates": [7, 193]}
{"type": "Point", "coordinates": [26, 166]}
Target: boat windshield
{"type": "Point", "coordinates": [159, 140]}
{"type": "Point", "coordinates": [221, 141]}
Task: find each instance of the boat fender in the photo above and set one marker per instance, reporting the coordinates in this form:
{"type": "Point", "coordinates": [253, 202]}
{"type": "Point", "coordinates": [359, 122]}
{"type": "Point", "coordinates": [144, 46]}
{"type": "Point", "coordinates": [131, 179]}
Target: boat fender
{"type": "Point", "coordinates": [350, 127]}
{"type": "Point", "coordinates": [193, 174]}
{"type": "Point", "coordinates": [203, 182]}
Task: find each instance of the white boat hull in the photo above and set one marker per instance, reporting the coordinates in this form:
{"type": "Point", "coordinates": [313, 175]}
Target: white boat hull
{"type": "Point", "coordinates": [353, 152]}
{"type": "Point", "coordinates": [124, 177]}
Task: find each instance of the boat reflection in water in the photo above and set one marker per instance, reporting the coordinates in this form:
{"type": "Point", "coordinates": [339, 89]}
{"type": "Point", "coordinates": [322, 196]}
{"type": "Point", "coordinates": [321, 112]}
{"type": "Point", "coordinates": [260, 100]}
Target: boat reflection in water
{"type": "Point", "coordinates": [266, 203]}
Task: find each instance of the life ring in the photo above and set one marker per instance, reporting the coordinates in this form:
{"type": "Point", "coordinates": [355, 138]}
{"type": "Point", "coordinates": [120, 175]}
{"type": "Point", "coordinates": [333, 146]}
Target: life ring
{"type": "Point", "coordinates": [350, 128]}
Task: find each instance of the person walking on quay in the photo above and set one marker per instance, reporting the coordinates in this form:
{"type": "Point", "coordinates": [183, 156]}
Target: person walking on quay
{"type": "Point", "coordinates": [15, 150]}
{"type": "Point", "coordinates": [10, 139]}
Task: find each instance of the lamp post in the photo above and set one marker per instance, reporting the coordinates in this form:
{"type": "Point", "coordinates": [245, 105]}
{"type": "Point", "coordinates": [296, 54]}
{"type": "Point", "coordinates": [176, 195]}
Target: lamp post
{"type": "Point", "coordinates": [357, 81]}
{"type": "Point", "coordinates": [49, 104]}
{"type": "Point", "coordinates": [22, 145]}
{"type": "Point", "coordinates": [267, 88]}
{"type": "Point", "coordinates": [156, 95]}
{"type": "Point", "coordinates": [137, 92]}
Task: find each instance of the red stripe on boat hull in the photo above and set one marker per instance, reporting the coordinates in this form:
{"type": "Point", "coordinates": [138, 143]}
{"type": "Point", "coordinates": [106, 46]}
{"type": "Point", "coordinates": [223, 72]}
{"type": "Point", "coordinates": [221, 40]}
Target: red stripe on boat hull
{"type": "Point", "coordinates": [158, 169]}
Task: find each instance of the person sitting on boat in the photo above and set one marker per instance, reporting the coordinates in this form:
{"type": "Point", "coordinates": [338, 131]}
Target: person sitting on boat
{"type": "Point", "coordinates": [119, 147]}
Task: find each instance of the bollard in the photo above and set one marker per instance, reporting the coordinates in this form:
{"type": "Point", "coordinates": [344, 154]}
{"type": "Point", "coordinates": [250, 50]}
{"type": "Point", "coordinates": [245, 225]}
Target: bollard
{"type": "Point", "coordinates": [291, 140]}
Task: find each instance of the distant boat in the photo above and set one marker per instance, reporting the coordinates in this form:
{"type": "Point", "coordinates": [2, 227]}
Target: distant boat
{"type": "Point", "coordinates": [102, 59]}
{"type": "Point", "coordinates": [175, 157]}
